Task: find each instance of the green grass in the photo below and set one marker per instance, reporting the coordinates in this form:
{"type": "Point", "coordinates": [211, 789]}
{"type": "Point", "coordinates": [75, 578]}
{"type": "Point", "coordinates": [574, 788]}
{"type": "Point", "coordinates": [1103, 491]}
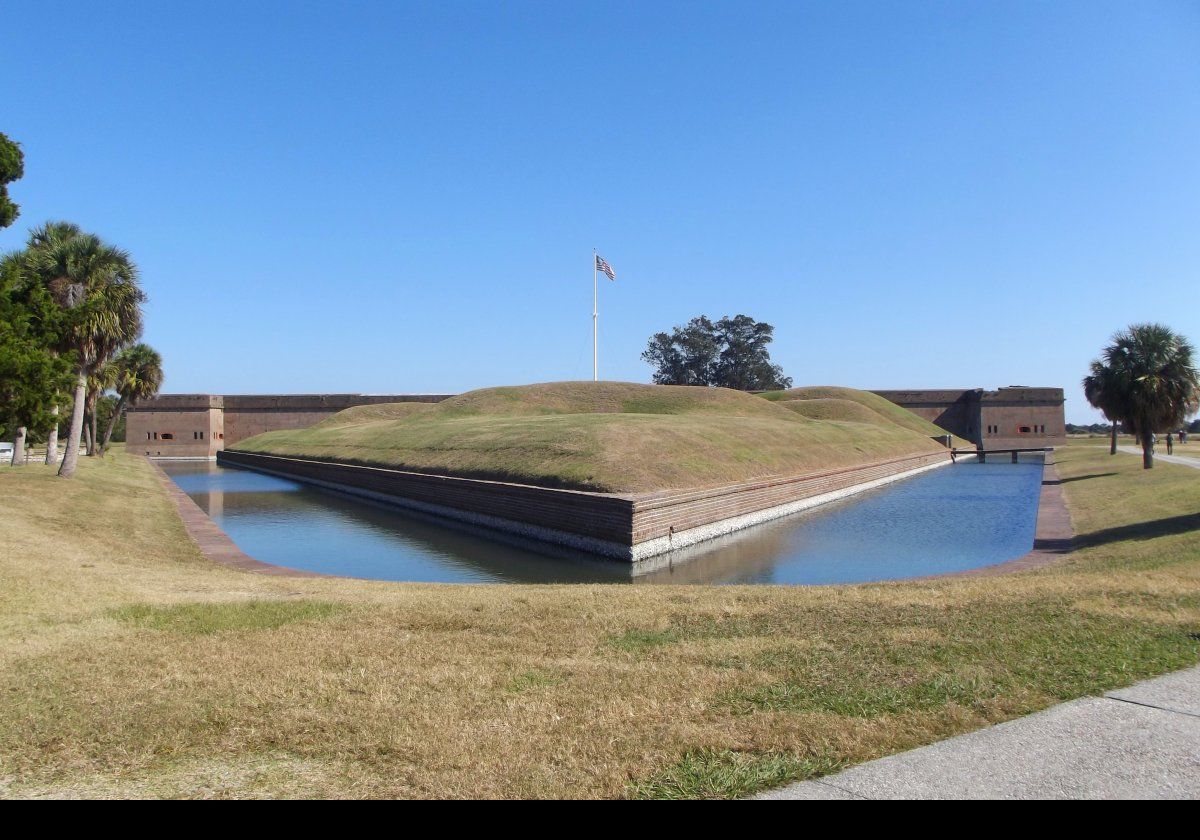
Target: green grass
{"type": "Point", "coordinates": [607, 436]}
{"type": "Point", "coordinates": [202, 619]}
{"type": "Point", "coordinates": [130, 666]}
{"type": "Point", "coordinates": [730, 774]}
{"type": "Point", "coordinates": [535, 679]}
{"type": "Point", "coordinates": [876, 404]}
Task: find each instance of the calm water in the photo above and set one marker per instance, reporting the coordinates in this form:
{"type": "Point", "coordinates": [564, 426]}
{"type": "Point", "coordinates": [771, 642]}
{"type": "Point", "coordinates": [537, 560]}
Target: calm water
{"type": "Point", "coordinates": [955, 518]}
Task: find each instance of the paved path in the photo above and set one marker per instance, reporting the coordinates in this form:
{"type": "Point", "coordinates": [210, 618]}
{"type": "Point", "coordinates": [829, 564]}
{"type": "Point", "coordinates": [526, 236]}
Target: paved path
{"type": "Point", "coordinates": [1141, 742]}
{"type": "Point", "coordinates": [1194, 463]}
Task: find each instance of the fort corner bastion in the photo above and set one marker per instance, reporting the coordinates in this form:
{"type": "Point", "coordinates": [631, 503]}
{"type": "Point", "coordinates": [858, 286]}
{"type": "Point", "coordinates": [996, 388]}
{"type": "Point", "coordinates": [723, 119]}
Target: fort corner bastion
{"type": "Point", "coordinates": [201, 425]}
{"type": "Point", "coordinates": [1014, 417]}
{"type": "Point", "coordinates": [198, 426]}
{"type": "Point", "coordinates": [624, 526]}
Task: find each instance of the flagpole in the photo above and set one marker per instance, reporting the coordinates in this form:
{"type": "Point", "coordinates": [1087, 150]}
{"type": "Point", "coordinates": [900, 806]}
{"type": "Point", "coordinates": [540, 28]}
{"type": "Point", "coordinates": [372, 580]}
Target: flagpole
{"type": "Point", "coordinates": [595, 320]}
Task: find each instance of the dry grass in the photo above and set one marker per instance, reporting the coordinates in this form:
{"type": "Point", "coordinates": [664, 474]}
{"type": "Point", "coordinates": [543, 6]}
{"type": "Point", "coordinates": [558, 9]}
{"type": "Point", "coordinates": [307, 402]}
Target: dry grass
{"type": "Point", "coordinates": [607, 436]}
{"type": "Point", "coordinates": [876, 404]}
{"type": "Point", "coordinates": [131, 667]}
{"type": "Point", "coordinates": [835, 409]}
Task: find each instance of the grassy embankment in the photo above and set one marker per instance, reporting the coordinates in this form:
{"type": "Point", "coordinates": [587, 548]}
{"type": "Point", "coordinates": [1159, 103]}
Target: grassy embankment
{"type": "Point", "coordinates": [822, 402]}
{"type": "Point", "coordinates": [610, 436]}
{"type": "Point", "coordinates": [129, 666]}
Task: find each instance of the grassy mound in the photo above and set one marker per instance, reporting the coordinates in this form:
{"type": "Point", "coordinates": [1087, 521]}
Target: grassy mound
{"type": "Point", "coordinates": [607, 436]}
{"type": "Point", "coordinates": [374, 413]}
{"type": "Point", "coordinates": [832, 409]}
{"type": "Point", "coordinates": [886, 408]}
{"type": "Point", "coordinates": [605, 398]}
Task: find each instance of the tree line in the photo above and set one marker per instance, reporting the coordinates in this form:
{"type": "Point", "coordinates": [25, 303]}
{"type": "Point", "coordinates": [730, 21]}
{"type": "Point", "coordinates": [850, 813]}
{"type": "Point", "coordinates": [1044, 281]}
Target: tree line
{"type": "Point", "coordinates": [1146, 382]}
{"type": "Point", "coordinates": [70, 320]}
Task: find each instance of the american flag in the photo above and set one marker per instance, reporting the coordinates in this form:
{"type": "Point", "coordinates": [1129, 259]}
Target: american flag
{"type": "Point", "coordinates": [602, 265]}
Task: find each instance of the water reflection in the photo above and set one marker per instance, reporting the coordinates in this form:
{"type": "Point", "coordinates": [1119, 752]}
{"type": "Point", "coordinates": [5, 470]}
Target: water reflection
{"type": "Point", "coordinates": [951, 519]}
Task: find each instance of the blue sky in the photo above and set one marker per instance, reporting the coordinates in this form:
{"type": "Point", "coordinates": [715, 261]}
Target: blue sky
{"type": "Point", "coordinates": [400, 197]}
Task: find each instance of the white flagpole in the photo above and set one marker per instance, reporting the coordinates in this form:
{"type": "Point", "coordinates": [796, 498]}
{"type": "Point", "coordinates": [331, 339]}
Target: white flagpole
{"type": "Point", "coordinates": [595, 320]}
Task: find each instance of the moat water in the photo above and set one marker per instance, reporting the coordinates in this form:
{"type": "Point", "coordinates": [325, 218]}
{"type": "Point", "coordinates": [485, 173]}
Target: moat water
{"type": "Point", "coordinates": [951, 519]}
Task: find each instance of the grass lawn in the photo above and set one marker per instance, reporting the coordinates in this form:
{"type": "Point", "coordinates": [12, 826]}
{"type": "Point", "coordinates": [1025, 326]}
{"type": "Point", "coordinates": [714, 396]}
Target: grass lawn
{"type": "Point", "coordinates": [834, 401]}
{"type": "Point", "coordinates": [129, 666]}
{"type": "Point", "coordinates": [608, 436]}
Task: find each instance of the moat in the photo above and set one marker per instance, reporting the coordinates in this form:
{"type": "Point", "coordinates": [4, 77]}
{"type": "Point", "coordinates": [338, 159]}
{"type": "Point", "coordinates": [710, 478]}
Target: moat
{"type": "Point", "coordinates": [952, 519]}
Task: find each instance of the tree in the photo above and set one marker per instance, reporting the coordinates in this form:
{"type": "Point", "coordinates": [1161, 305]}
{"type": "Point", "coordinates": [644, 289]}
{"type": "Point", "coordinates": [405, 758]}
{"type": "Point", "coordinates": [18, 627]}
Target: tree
{"type": "Point", "coordinates": [31, 374]}
{"type": "Point", "coordinates": [139, 375]}
{"type": "Point", "coordinates": [1155, 379]}
{"type": "Point", "coordinates": [686, 356]}
{"type": "Point", "coordinates": [12, 168]}
{"type": "Point", "coordinates": [1104, 391]}
{"type": "Point", "coordinates": [96, 286]}
{"type": "Point", "coordinates": [731, 353]}
{"type": "Point", "coordinates": [43, 238]}
{"type": "Point", "coordinates": [101, 379]}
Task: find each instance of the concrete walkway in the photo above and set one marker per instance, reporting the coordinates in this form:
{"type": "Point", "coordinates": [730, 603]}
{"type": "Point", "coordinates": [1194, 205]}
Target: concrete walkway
{"type": "Point", "coordinates": [1141, 742]}
{"type": "Point", "coordinates": [1194, 463]}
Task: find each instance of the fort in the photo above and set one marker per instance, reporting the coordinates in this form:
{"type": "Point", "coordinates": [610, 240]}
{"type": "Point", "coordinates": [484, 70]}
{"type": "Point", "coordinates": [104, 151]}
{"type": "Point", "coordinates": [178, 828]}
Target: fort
{"type": "Point", "coordinates": [201, 425]}
{"type": "Point", "coordinates": [1016, 416]}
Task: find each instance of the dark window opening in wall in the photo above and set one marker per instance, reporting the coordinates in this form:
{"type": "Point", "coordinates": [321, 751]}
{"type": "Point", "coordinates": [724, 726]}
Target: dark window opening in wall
{"type": "Point", "coordinates": [202, 436]}
{"type": "Point", "coordinates": [1024, 430]}
{"type": "Point", "coordinates": [156, 435]}
{"type": "Point", "coordinates": [221, 436]}
{"type": "Point", "coordinates": [168, 436]}
{"type": "Point", "coordinates": [147, 438]}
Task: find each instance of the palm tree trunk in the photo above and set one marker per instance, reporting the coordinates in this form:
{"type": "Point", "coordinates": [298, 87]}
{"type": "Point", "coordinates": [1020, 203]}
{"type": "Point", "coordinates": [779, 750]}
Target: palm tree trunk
{"type": "Point", "coordinates": [92, 437]}
{"type": "Point", "coordinates": [112, 424]}
{"type": "Point", "coordinates": [71, 455]}
{"type": "Point", "coordinates": [1147, 452]}
{"type": "Point", "coordinates": [1112, 450]}
{"type": "Point", "coordinates": [52, 440]}
{"type": "Point", "coordinates": [18, 459]}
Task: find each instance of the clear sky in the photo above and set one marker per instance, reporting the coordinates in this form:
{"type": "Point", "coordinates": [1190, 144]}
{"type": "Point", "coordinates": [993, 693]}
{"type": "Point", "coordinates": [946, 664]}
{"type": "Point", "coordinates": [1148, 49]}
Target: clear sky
{"type": "Point", "coordinates": [400, 197]}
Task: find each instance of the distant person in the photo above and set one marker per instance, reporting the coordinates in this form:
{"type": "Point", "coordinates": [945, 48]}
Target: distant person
{"type": "Point", "coordinates": [1182, 436]}
{"type": "Point", "coordinates": [1170, 443]}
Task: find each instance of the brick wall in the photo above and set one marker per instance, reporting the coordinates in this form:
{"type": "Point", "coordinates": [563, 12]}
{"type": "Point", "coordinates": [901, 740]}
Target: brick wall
{"type": "Point", "coordinates": [226, 420]}
{"type": "Point", "coordinates": [621, 520]}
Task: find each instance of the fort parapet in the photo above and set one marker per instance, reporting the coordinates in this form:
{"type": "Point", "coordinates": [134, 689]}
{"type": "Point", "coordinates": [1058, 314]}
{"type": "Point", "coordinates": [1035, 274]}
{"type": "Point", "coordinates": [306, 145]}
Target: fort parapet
{"type": "Point", "coordinates": [201, 425]}
{"type": "Point", "coordinates": [1016, 416]}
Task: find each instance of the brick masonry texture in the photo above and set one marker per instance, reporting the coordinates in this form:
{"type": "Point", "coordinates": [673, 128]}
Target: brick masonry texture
{"type": "Point", "coordinates": [201, 425]}
{"type": "Point", "coordinates": [629, 527]}
{"type": "Point", "coordinates": [993, 419]}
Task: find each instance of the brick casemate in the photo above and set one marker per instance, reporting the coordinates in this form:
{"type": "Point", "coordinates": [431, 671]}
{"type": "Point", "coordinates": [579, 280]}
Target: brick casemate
{"type": "Point", "coordinates": [201, 425]}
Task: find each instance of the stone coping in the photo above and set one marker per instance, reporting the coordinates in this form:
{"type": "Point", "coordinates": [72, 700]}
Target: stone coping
{"type": "Point", "coordinates": [1053, 538]}
{"type": "Point", "coordinates": [214, 543]}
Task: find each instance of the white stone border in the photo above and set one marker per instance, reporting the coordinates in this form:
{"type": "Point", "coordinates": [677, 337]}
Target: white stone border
{"type": "Point", "coordinates": [682, 539]}
{"type": "Point", "coordinates": [635, 554]}
{"type": "Point", "coordinates": [208, 458]}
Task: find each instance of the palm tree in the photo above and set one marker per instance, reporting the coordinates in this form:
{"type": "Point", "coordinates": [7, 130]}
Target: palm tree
{"type": "Point", "coordinates": [101, 379]}
{"type": "Point", "coordinates": [1156, 378]}
{"type": "Point", "coordinates": [1102, 388]}
{"type": "Point", "coordinates": [44, 237]}
{"type": "Point", "coordinates": [98, 286]}
{"type": "Point", "coordinates": [139, 375]}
